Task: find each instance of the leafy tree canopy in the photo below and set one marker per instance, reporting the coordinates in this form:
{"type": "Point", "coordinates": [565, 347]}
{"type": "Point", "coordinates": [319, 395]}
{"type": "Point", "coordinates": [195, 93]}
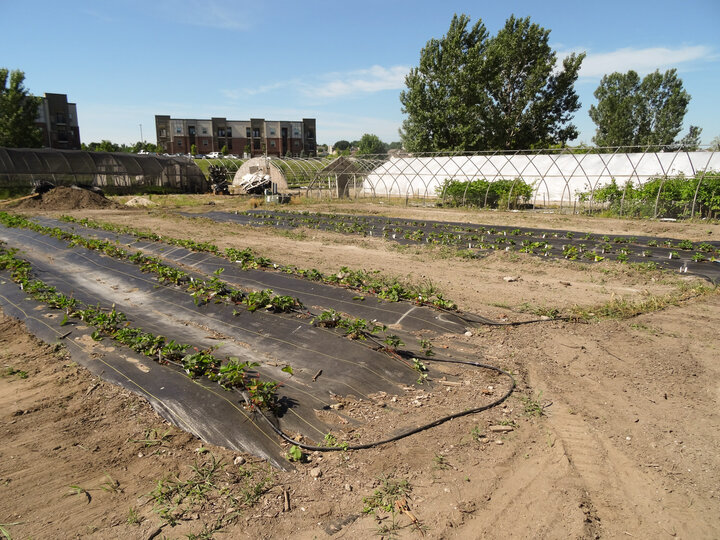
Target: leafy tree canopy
{"type": "Point", "coordinates": [18, 112]}
{"type": "Point", "coordinates": [109, 146]}
{"type": "Point", "coordinates": [640, 112]}
{"type": "Point", "coordinates": [475, 92]}
{"type": "Point", "coordinates": [341, 145]}
{"type": "Point", "coordinates": [371, 144]}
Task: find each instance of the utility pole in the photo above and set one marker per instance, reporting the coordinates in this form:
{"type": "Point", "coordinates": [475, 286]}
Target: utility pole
{"type": "Point", "coordinates": [141, 137]}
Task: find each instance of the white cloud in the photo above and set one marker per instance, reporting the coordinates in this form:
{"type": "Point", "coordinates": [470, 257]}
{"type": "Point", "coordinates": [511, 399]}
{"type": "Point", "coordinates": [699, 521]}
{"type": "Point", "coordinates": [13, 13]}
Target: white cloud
{"type": "Point", "coordinates": [643, 61]}
{"type": "Point", "coordinates": [335, 84]}
{"type": "Point", "coordinates": [362, 81]}
{"type": "Point", "coordinates": [236, 94]}
{"type": "Point", "coordinates": [228, 15]}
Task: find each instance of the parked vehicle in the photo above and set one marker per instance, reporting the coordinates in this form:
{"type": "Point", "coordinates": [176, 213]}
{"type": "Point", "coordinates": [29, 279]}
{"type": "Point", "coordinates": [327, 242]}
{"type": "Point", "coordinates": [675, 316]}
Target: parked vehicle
{"type": "Point", "coordinates": [213, 155]}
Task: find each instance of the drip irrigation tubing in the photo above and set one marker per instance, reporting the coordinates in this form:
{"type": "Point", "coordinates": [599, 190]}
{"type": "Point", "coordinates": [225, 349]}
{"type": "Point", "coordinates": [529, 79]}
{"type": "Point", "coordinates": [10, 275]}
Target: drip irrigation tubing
{"type": "Point", "coordinates": [409, 432]}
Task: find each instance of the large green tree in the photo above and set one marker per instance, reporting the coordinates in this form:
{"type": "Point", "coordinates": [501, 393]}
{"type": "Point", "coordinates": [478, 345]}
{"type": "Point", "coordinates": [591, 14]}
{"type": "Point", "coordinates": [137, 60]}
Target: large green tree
{"type": "Point", "coordinates": [18, 112]}
{"type": "Point", "coordinates": [371, 144]}
{"type": "Point", "coordinates": [639, 112]}
{"type": "Point", "coordinates": [475, 92]}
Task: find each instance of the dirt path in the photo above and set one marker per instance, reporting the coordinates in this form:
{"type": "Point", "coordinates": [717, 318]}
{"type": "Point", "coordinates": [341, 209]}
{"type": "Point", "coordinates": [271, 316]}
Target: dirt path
{"type": "Point", "coordinates": [626, 445]}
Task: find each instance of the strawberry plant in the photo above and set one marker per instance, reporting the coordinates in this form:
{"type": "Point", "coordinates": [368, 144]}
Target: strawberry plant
{"type": "Point", "coordinates": [200, 363]}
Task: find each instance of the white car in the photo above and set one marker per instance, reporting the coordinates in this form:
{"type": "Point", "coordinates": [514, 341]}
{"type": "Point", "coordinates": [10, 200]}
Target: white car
{"type": "Point", "coordinates": [213, 155]}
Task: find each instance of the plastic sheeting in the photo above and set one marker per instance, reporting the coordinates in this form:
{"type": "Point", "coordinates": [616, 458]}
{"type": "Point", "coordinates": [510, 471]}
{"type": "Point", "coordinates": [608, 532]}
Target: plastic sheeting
{"type": "Point", "coordinates": [118, 172]}
{"type": "Point", "coordinates": [556, 177]}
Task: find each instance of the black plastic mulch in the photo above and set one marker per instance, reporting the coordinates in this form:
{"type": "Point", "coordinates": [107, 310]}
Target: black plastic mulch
{"type": "Point", "coordinates": [666, 254]}
{"type": "Point", "coordinates": [324, 364]}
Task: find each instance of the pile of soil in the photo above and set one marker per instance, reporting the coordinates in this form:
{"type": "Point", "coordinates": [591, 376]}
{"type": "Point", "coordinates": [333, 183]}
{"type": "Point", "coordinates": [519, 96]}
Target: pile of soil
{"type": "Point", "coordinates": [68, 198]}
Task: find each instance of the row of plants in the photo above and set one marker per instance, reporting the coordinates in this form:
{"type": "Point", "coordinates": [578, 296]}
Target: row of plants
{"type": "Point", "coordinates": [670, 197]}
{"type": "Point", "coordinates": [202, 363]}
{"type": "Point", "coordinates": [483, 193]}
{"type": "Point", "coordinates": [590, 247]}
{"type": "Point", "coordinates": [201, 290]}
{"type": "Point", "coordinates": [370, 282]}
{"type": "Point", "coordinates": [114, 324]}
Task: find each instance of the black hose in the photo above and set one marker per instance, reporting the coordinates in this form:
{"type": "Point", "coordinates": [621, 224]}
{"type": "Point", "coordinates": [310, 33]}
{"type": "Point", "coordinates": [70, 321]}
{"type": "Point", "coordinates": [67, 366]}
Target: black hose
{"type": "Point", "coordinates": [411, 431]}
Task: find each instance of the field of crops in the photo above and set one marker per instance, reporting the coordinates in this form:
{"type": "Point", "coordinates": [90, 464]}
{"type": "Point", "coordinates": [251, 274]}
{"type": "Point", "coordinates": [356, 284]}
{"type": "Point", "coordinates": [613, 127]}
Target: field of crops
{"type": "Point", "coordinates": [356, 368]}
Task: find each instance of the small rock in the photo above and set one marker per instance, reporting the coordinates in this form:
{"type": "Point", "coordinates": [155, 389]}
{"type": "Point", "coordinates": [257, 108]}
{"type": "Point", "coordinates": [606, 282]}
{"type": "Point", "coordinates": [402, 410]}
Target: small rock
{"type": "Point", "coordinates": [348, 487]}
{"type": "Point", "coordinates": [239, 460]}
{"type": "Point", "coordinates": [501, 429]}
{"type": "Point", "coordinates": [140, 454]}
{"type": "Point", "coordinates": [510, 279]}
{"type": "Point", "coordinates": [499, 442]}
{"type": "Point", "coordinates": [468, 333]}
{"type": "Point", "coordinates": [336, 406]}
{"type": "Point", "coordinates": [315, 472]}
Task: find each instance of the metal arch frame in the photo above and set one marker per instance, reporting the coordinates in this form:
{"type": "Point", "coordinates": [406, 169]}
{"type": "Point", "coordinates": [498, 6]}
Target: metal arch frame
{"type": "Point", "coordinates": [700, 181]}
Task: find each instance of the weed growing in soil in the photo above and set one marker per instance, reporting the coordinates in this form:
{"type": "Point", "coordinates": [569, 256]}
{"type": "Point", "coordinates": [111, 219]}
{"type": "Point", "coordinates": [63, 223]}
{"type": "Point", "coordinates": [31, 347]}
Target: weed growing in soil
{"type": "Point", "coordinates": [134, 518]}
{"type": "Point", "coordinates": [153, 437]}
{"type": "Point", "coordinates": [533, 405]}
{"type": "Point", "coordinates": [386, 499]}
{"type": "Point", "coordinates": [10, 371]}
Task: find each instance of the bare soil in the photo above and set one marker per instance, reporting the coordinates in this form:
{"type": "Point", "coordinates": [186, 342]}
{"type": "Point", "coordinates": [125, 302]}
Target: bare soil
{"type": "Point", "coordinates": [612, 432]}
{"type": "Point", "coordinates": [67, 198]}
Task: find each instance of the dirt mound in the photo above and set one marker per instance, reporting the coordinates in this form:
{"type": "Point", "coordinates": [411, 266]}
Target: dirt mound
{"type": "Point", "coordinates": [140, 201]}
{"type": "Point", "coordinates": [68, 198]}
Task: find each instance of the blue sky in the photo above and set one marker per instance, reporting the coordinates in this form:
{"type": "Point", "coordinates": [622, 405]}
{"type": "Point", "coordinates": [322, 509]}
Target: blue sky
{"type": "Point", "coordinates": [343, 63]}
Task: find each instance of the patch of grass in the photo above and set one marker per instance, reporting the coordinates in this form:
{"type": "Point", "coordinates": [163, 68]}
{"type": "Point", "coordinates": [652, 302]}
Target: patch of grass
{"type": "Point", "coordinates": [5, 532]}
{"type": "Point", "coordinates": [532, 405]}
{"type": "Point", "coordinates": [440, 462]}
{"type": "Point", "coordinates": [622, 308]}
{"type": "Point", "coordinates": [11, 371]}
{"type": "Point", "coordinates": [134, 518]}
{"type": "Point", "coordinates": [78, 490]}
{"type": "Point", "coordinates": [384, 497]}
{"type": "Point", "coordinates": [153, 437]}
{"type": "Point", "coordinates": [477, 434]}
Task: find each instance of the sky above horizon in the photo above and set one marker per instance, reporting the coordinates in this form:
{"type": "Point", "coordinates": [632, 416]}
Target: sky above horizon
{"type": "Point", "coordinates": [343, 64]}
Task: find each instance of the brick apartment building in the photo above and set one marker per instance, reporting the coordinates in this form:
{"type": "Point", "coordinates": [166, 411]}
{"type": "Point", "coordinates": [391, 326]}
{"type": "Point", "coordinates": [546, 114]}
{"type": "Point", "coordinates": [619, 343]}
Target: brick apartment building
{"type": "Point", "coordinates": [255, 137]}
{"type": "Point", "coordinates": [59, 122]}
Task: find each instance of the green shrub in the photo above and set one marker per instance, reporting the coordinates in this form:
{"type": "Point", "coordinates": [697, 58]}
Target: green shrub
{"type": "Point", "coordinates": [482, 193]}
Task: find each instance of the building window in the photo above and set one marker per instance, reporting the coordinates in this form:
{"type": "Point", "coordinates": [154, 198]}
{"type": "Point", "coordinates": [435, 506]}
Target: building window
{"type": "Point", "coordinates": [229, 144]}
{"type": "Point", "coordinates": [178, 130]}
{"type": "Point", "coordinates": [247, 132]}
{"type": "Point", "coordinates": [229, 132]}
{"type": "Point", "coordinates": [256, 132]}
{"type": "Point", "coordinates": [204, 131]}
{"type": "Point", "coordinates": [204, 142]}
{"type": "Point", "coordinates": [310, 134]}
{"type": "Point", "coordinates": [191, 131]}
{"type": "Point", "coordinates": [256, 144]}
{"type": "Point", "coordinates": [163, 133]}
{"type": "Point", "coordinates": [272, 143]}
{"type": "Point", "coordinates": [272, 131]}
{"type": "Point", "coordinates": [179, 142]}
